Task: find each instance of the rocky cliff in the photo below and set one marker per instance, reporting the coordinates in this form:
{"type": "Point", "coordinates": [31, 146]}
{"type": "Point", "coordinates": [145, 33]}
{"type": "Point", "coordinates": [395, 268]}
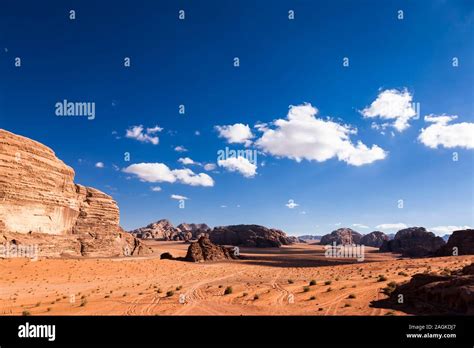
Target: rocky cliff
{"type": "Point", "coordinates": [459, 243]}
{"type": "Point", "coordinates": [164, 230]}
{"type": "Point", "coordinates": [249, 235]}
{"type": "Point", "coordinates": [341, 236]}
{"type": "Point", "coordinates": [374, 239]}
{"type": "Point", "coordinates": [40, 204]}
{"type": "Point", "coordinates": [413, 242]}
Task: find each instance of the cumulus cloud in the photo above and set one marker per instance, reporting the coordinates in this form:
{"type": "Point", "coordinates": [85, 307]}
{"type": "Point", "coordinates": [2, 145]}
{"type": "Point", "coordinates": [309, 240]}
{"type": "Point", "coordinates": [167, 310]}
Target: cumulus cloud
{"type": "Point", "coordinates": [399, 226]}
{"type": "Point", "coordinates": [238, 133]}
{"type": "Point", "coordinates": [156, 189]}
{"type": "Point", "coordinates": [99, 165]}
{"type": "Point", "coordinates": [154, 130]}
{"type": "Point", "coordinates": [392, 105]}
{"type": "Point", "coordinates": [180, 149]}
{"type": "Point", "coordinates": [159, 172]}
{"type": "Point", "coordinates": [186, 160]}
{"type": "Point", "coordinates": [138, 133]}
{"type": "Point", "coordinates": [304, 136]}
{"type": "Point", "coordinates": [291, 204]}
{"type": "Point", "coordinates": [188, 177]}
{"type": "Point", "coordinates": [441, 230]}
{"type": "Point", "coordinates": [209, 166]}
{"type": "Point", "coordinates": [441, 133]}
{"type": "Point", "coordinates": [360, 226]}
{"type": "Point", "coordinates": [239, 164]}
{"type": "Point", "coordinates": [178, 197]}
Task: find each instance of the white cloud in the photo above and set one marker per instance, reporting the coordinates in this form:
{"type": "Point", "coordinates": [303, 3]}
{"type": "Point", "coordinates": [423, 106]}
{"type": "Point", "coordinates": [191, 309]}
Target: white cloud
{"type": "Point", "coordinates": [360, 226]}
{"type": "Point", "coordinates": [223, 206]}
{"type": "Point", "coordinates": [238, 133]}
{"type": "Point", "coordinates": [393, 105]}
{"type": "Point", "coordinates": [338, 224]}
{"type": "Point", "coordinates": [159, 172]}
{"type": "Point", "coordinates": [186, 160]}
{"type": "Point", "coordinates": [440, 133]}
{"type": "Point", "coordinates": [180, 149]}
{"type": "Point", "coordinates": [261, 126]}
{"type": "Point", "coordinates": [154, 130]}
{"type": "Point", "coordinates": [99, 165]}
{"type": "Point", "coordinates": [197, 133]}
{"type": "Point", "coordinates": [209, 166]}
{"type": "Point", "coordinates": [442, 230]}
{"type": "Point", "coordinates": [239, 164]}
{"type": "Point", "coordinates": [187, 176]}
{"type": "Point", "coordinates": [156, 189]}
{"type": "Point", "coordinates": [136, 132]}
{"type": "Point", "coordinates": [303, 136]}
{"type": "Point", "coordinates": [399, 226]}
{"type": "Point", "coordinates": [178, 197]}
{"type": "Point", "coordinates": [291, 204]}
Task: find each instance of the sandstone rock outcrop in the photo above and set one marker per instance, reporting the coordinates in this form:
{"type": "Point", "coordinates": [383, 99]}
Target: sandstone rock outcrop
{"type": "Point", "coordinates": [164, 230]}
{"type": "Point", "coordinates": [205, 250]}
{"type": "Point", "coordinates": [40, 204]}
{"type": "Point", "coordinates": [185, 227]}
{"type": "Point", "coordinates": [460, 242]}
{"type": "Point", "coordinates": [294, 239]}
{"type": "Point", "coordinates": [249, 235]}
{"type": "Point", "coordinates": [433, 294]}
{"type": "Point", "coordinates": [341, 236]}
{"type": "Point", "coordinates": [161, 230]}
{"type": "Point", "coordinates": [413, 242]}
{"type": "Point", "coordinates": [310, 237]}
{"type": "Point", "coordinates": [374, 239]}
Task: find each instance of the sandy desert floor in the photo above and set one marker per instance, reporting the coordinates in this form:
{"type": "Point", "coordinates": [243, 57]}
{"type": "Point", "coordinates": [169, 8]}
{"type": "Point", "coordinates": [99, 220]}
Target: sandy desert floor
{"type": "Point", "coordinates": [266, 282]}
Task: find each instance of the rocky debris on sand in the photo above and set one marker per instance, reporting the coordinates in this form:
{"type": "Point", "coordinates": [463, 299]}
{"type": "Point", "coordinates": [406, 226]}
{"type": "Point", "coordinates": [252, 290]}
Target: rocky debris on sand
{"type": "Point", "coordinates": [413, 242]}
{"type": "Point", "coordinates": [432, 294]}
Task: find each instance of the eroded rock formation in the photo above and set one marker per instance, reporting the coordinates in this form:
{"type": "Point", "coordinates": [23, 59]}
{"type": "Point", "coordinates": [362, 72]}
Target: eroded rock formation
{"type": "Point", "coordinates": [205, 250]}
{"type": "Point", "coordinates": [374, 239]}
{"type": "Point", "coordinates": [185, 227]}
{"type": "Point", "coordinates": [413, 242]}
{"type": "Point", "coordinates": [249, 235]}
{"type": "Point", "coordinates": [459, 243]}
{"type": "Point", "coordinates": [40, 204]}
{"type": "Point", "coordinates": [435, 294]}
{"type": "Point", "coordinates": [341, 236]}
{"type": "Point", "coordinates": [164, 230]}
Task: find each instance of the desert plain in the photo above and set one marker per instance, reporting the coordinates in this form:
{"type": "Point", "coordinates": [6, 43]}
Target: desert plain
{"type": "Point", "coordinates": [292, 280]}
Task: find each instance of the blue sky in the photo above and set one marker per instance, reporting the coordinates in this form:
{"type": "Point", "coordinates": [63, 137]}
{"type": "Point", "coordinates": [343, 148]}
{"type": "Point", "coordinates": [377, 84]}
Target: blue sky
{"type": "Point", "coordinates": [282, 62]}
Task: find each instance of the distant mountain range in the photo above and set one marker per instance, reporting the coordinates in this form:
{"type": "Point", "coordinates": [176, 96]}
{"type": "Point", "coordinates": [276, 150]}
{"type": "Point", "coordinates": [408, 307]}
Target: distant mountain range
{"type": "Point", "coordinates": [389, 235]}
